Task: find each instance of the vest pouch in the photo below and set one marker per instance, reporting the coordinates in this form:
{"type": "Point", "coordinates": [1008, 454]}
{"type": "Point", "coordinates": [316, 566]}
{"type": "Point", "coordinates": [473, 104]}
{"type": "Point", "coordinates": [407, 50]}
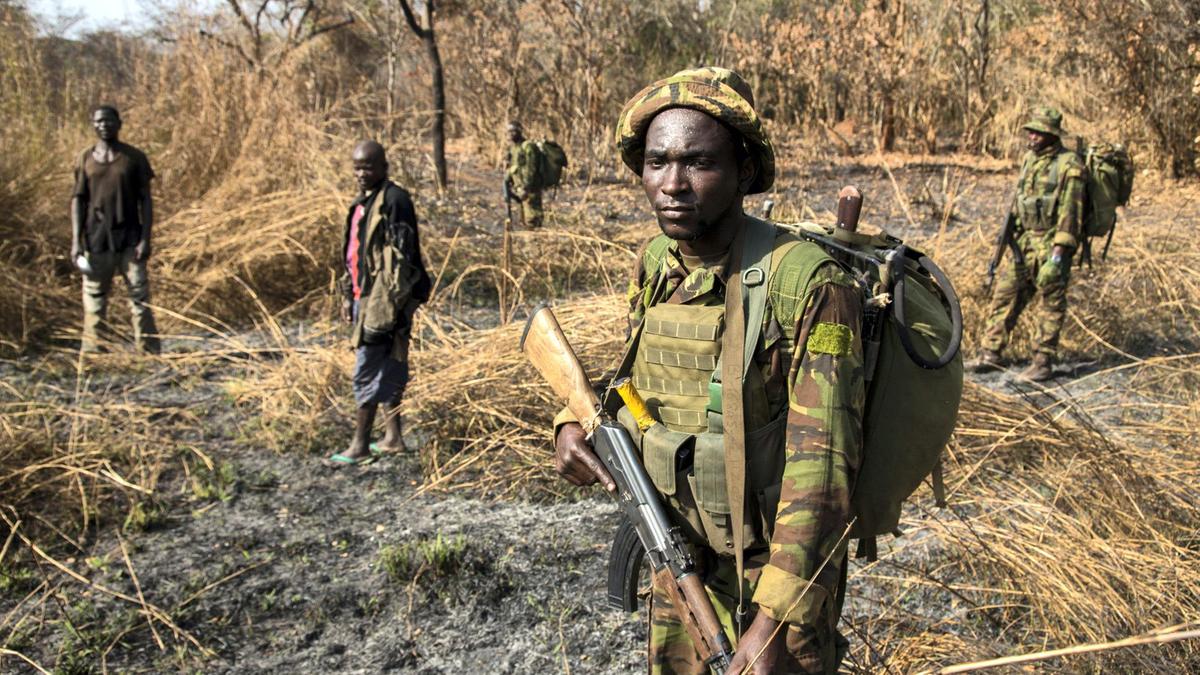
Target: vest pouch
{"type": "Point", "coordinates": [1032, 216]}
{"type": "Point", "coordinates": [662, 451]}
{"type": "Point", "coordinates": [712, 492]}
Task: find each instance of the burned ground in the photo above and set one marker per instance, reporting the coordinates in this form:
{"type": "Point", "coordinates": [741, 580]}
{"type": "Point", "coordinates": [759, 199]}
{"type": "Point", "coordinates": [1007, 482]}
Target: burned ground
{"type": "Point", "coordinates": [239, 552]}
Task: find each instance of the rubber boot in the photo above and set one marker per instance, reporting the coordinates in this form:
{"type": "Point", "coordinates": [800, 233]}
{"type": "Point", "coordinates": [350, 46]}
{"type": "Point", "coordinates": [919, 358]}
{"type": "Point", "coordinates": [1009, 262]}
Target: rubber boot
{"type": "Point", "coordinates": [1040, 370]}
{"type": "Point", "coordinates": [989, 361]}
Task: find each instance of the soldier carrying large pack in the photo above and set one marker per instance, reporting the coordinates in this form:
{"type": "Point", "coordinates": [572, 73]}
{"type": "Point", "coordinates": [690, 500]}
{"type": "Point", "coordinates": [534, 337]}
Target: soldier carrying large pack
{"type": "Point", "coordinates": [534, 166]}
{"type": "Point", "coordinates": [1046, 227]}
{"type": "Point", "coordinates": [760, 363]}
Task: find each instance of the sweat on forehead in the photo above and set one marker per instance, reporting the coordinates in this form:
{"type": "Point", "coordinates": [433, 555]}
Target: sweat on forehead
{"type": "Point", "coordinates": [685, 124]}
{"type": "Point", "coordinates": [369, 151]}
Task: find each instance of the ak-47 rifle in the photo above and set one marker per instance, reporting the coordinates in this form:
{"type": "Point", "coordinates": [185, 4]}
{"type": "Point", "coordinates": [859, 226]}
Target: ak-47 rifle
{"type": "Point", "coordinates": [1007, 239]}
{"type": "Point", "coordinates": [673, 566]}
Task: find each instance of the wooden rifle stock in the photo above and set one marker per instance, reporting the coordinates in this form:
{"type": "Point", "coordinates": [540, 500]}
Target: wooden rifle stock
{"type": "Point", "coordinates": [548, 350]}
{"type": "Point", "coordinates": [850, 201]}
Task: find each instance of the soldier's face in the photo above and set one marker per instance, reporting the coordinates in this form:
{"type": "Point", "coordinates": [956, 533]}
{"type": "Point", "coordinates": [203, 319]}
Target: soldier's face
{"type": "Point", "coordinates": [106, 124]}
{"type": "Point", "coordinates": [1036, 140]}
{"type": "Point", "coordinates": [691, 173]}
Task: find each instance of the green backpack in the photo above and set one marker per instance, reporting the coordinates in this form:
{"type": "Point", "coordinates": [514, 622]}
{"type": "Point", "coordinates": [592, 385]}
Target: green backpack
{"type": "Point", "coordinates": [912, 331]}
{"type": "Point", "coordinates": [1109, 182]}
{"type": "Point", "coordinates": [552, 159]}
{"type": "Point", "coordinates": [913, 367]}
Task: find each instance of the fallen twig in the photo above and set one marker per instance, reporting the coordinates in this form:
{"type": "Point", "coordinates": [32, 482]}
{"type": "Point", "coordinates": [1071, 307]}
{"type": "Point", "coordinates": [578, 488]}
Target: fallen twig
{"type": "Point", "coordinates": [1188, 631]}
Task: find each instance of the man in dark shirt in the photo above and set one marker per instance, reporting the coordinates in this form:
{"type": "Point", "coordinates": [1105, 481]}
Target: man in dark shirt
{"type": "Point", "coordinates": [385, 282]}
{"type": "Point", "coordinates": [111, 217]}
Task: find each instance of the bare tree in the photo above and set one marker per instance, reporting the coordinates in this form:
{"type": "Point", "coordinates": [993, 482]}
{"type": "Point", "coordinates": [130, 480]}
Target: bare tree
{"type": "Point", "coordinates": [386, 25]}
{"type": "Point", "coordinates": [439, 85]}
{"type": "Point", "coordinates": [273, 29]}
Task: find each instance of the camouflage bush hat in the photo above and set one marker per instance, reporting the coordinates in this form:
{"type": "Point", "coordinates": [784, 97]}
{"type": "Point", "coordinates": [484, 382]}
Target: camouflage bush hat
{"type": "Point", "coordinates": [718, 92]}
{"type": "Point", "coordinates": [1047, 120]}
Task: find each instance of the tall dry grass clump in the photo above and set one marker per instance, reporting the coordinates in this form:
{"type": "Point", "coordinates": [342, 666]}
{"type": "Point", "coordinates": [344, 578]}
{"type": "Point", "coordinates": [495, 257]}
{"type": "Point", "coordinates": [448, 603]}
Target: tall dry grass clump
{"type": "Point", "coordinates": [1058, 533]}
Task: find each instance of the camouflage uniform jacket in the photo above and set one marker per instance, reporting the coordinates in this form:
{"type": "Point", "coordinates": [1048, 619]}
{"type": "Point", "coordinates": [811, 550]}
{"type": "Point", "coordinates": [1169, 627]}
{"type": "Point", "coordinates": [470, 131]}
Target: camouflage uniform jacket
{"type": "Point", "coordinates": [1050, 195]}
{"type": "Point", "coordinates": [823, 392]}
{"type": "Point", "coordinates": [522, 173]}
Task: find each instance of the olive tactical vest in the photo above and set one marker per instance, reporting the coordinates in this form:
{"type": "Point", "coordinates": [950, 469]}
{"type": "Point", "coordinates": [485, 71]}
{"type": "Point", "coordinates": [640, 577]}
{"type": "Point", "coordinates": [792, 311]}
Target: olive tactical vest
{"type": "Point", "coordinates": [1038, 192]}
{"type": "Point", "coordinates": [676, 369]}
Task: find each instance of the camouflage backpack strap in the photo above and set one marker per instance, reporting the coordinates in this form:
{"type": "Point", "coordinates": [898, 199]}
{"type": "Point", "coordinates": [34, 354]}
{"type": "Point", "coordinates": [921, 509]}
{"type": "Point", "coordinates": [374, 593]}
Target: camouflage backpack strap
{"type": "Point", "coordinates": [757, 256]}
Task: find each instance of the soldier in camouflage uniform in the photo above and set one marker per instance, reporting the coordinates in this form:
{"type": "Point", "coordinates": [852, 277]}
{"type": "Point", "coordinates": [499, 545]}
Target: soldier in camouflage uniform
{"type": "Point", "coordinates": [522, 176]}
{"type": "Point", "coordinates": [1049, 216]}
{"type": "Point", "coordinates": [700, 148]}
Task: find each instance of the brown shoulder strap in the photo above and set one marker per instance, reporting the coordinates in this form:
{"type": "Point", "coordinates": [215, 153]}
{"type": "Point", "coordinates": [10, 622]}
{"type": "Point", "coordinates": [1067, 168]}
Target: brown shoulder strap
{"type": "Point", "coordinates": [733, 344]}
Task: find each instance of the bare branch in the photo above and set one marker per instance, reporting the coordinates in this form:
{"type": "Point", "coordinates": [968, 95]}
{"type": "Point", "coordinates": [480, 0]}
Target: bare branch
{"type": "Point", "coordinates": [229, 44]}
{"type": "Point", "coordinates": [412, 19]}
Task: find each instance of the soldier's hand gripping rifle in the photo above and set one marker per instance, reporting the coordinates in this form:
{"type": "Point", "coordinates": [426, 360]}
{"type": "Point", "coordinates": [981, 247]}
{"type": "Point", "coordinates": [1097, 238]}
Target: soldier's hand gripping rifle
{"type": "Point", "coordinates": [674, 568]}
{"type": "Point", "coordinates": [1007, 239]}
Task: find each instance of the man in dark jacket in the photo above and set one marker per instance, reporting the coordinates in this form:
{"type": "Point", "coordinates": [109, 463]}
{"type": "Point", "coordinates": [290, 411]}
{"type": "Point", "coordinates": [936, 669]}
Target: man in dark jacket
{"type": "Point", "coordinates": [385, 282]}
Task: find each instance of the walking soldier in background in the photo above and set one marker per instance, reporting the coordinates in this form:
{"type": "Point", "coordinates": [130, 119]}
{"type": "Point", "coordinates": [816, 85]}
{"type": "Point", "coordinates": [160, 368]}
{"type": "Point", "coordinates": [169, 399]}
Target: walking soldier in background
{"type": "Point", "coordinates": [111, 218]}
{"type": "Point", "coordinates": [753, 451]}
{"type": "Point", "coordinates": [521, 177]}
{"type": "Point", "coordinates": [1048, 216]}
{"type": "Point", "coordinates": [533, 167]}
{"type": "Point", "coordinates": [385, 282]}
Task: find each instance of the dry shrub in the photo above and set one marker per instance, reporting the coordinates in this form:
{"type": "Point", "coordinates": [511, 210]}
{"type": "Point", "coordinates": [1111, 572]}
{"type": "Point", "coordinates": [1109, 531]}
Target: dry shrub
{"type": "Point", "coordinates": [296, 402]}
{"type": "Point", "coordinates": [487, 411]}
{"type": "Point", "coordinates": [1058, 533]}
{"type": "Point", "coordinates": [81, 455]}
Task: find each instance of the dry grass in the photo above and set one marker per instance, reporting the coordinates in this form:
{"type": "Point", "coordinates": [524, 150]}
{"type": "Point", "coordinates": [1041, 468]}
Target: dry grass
{"type": "Point", "coordinates": [1073, 517]}
{"type": "Point", "coordinates": [1073, 514]}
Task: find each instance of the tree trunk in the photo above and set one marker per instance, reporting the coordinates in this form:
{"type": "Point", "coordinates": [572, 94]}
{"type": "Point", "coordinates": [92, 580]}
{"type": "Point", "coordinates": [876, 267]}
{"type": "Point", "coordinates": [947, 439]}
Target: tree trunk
{"type": "Point", "coordinates": [439, 99]}
{"type": "Point", "coordinates": [887, 123]}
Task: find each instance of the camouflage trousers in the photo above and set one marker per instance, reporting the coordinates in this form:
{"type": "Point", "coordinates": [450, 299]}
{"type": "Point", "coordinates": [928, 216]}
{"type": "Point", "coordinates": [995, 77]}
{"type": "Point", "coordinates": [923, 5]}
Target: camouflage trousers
{"type": "Point", "coordinates": [1017, 286]}
{"type": "Point", "coordinates": [531, 210]}
{"type": "Point", "coordinates": [96, 287]}
{"type": "Point", "coordinates": [808, 650]}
